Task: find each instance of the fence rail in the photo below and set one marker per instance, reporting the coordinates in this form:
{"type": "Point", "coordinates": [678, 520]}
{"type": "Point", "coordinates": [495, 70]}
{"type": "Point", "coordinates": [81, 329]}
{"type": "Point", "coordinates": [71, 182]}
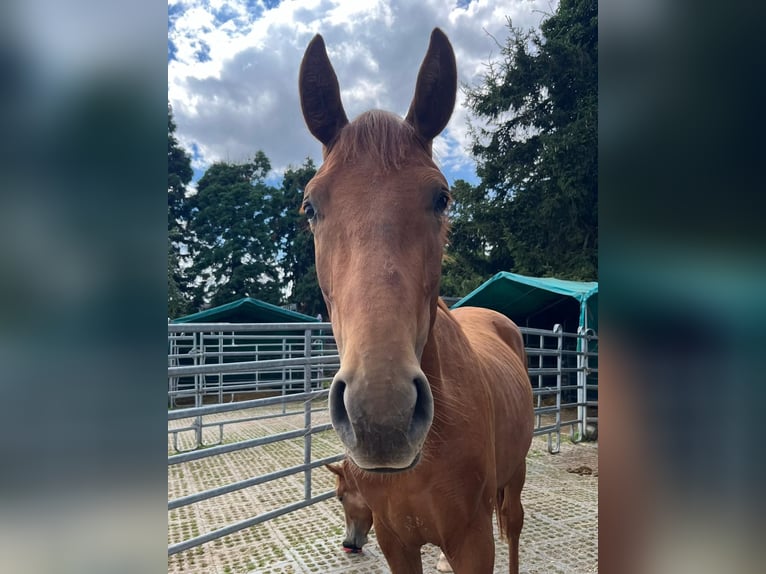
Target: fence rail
{"type": "Point", "coordinates": [215, 369]}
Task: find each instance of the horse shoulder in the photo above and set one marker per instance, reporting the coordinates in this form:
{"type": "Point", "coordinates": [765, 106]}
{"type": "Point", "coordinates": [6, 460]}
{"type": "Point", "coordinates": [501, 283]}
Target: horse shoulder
{"type": "Point", "coordinates": [499, 347]}
{"type": "Point", "coordinates": [485, 326]}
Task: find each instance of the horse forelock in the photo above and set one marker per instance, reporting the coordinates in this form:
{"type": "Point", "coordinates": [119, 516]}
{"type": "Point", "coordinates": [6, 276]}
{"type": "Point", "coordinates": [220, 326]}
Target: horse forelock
{"type": "Point", "coordinates": [385, 142]}
{"type": "Point", "coordinates": [382, 137]}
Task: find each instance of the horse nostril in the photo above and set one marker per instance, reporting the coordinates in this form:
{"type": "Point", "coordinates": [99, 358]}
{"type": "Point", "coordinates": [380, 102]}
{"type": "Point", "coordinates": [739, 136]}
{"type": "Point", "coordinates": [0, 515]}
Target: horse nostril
{"type": "Point", "coordinates": [423, 412]}
{"type": "Point", "coordinates": [338, 413]}
{"type": "Point", "coordinates": [337, 406]}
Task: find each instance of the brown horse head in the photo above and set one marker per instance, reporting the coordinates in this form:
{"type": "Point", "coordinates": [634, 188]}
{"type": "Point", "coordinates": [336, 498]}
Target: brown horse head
{"type": "Point", "coordinates": [377, 210]}
{"type": "Point", "coordinates": [358, 514]}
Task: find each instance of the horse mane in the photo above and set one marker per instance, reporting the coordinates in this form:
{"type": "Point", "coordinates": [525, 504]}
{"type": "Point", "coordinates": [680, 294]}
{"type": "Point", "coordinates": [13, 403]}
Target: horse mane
{"type": "Point", "coordinates": [383, 137]}
{"type": "Point", "coordinates": [440, 304]}
{"type": "Point", "coordinates": [443, 306]}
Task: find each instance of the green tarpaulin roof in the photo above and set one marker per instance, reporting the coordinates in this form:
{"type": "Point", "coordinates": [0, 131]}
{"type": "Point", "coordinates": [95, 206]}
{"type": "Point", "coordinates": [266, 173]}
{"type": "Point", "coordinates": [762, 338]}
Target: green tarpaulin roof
{"type": "Point", "coordinates": [538, 301]}
{"type": "Point", "coordinates": [246, 310]}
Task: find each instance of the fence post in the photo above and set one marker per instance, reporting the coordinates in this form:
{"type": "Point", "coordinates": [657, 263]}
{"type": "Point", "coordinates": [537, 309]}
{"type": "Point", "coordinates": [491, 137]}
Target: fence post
{"type": "Point", "coordinates": [559, 332]}
{"type": "Point", "coordinates": [199, 358]}
{"type": "Point", "coordinates": [220, 360]}
{"type": "Point", "coordinates": [307, 415]}
{"type": "Point", "coordinates": [284, 370]}
{"type": "Point", "coordinates": [540, 364]}
{"type": "Point", "coordinates": [582, 377]}
{"type": "Point", "coordinates": [172, 362]}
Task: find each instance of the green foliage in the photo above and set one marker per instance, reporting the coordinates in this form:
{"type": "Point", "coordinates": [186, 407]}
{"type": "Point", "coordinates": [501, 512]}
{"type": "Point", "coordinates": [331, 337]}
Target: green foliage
{"type": "Point", "coordinates": [468, 258]}
{"type": "Point", "coordinates": [537, 150]}
{"type": "Point", "coordinates": [534, 211]}
{"type": "Point", "coordinates": [297, 243]}
{"type": "Point", "coordinates": [234, 241]}
{"type": "Point", "coordinates": [177, 303]}
{"type": "Point", "coordinates": [179, 175]}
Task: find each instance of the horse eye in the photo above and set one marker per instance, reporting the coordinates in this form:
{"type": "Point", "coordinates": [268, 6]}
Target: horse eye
{"type": "Point", "coordinates": [442, 202]}
{"type": "Point", "coordinates": [308, 210]}
{"type": "Point", "coordinates": [340, 498]}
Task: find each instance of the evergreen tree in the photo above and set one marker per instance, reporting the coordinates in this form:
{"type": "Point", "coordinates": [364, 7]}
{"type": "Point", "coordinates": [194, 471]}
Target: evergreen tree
{"type": "Point", "coordinates": [297, 243]}
{"type": "Point", "coordinates": [235, 239]}
{"type": "Point", "coordinates": [179, 175]}
{"type": "Point", "coordinates": [178, 305]}
{"type": "Point", "coordinates": [537, 152]}
{"type": "Point", "coordinates": [468, 256]}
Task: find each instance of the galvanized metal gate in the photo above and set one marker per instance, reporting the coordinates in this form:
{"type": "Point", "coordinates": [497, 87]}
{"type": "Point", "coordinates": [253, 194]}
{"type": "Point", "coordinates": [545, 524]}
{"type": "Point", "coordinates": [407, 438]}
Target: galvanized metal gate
{"type": "Point", "coordinates": [264, 371]}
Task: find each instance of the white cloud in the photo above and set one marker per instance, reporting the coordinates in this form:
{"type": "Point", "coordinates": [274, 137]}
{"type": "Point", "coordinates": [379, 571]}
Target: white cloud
{"type": "Point", "coordinates": [245, 96]}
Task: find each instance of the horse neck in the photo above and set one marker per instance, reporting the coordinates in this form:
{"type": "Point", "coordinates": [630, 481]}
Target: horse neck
{"type": "Point", "coordinates": [463, 415]}
{"type": "Point", "coordinates": [446, 344]}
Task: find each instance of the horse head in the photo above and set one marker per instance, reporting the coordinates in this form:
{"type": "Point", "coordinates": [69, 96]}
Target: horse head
{"type": "Point", "coordinates": [358, 515]}
{"type": "Point", "coordinates": [377, 209]}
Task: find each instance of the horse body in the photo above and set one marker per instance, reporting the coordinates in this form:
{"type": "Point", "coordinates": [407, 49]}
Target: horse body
{"type": "Point", "coordinates": [499, 346]}
{"type": "Point", "coordinates": [492, 336]}
{"type": "Point", "coordinates": [434, 407]}
{"type": "Point", "coordinates": [431, 506]}
{"type": "Point", "coordinates": [473, 458]}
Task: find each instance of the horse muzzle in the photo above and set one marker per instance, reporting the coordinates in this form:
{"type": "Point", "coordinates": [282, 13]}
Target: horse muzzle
{"type": "Point", "coordinates": [383, 422]}
{"type": "Point", "coordinates": [354, 540]}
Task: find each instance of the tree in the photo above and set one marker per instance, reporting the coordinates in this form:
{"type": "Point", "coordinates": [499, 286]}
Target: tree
{"type": "Point", "coordinates": [537, 150]}
{"type": "Point", "coordinates": [178, 304]}
{"type": "Point", "coordinates": [297, 243]}
{"type": "Point", "coordinates": [234, 238]}
{"type": "Point", "coordinates": [179, 175]}
{"type": "Point", "coordinates": [468, 256]}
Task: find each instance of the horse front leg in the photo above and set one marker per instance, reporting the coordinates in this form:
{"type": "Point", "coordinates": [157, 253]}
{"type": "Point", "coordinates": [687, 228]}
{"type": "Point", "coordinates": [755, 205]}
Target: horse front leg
{"type": "Point", "coordinates": [401, 559]}
{"type": "Point", "coordinates": [474, 553]}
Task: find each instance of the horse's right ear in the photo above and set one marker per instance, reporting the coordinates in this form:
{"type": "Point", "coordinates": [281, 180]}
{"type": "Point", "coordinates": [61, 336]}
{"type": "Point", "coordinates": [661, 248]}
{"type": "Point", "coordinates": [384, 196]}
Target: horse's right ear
{"type": "Point", "coordinates": [335, 469]}
{"type": "Point", "coordinates": [320, 93]}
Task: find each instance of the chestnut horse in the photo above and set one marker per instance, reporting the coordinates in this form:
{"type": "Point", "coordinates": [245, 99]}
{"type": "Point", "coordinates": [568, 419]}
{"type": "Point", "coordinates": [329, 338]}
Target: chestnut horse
{"type": "Point", "coordinates": [433, 407]}
{"type": "Point", "coordinates": [357, 514]}
{"type": "Point", "coordinates": [355, 510]}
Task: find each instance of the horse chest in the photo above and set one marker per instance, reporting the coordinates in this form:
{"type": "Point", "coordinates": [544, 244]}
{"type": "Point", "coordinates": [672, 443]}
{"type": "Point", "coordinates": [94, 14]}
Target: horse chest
{"type": "Point", "coordinates": [414, 525]}
{"type": "Point", "coordinates": [422, 513]}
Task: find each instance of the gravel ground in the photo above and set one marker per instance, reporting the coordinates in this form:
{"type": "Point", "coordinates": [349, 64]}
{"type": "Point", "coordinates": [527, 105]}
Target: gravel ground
{"type": "Point", "coordinates": [560, 500]}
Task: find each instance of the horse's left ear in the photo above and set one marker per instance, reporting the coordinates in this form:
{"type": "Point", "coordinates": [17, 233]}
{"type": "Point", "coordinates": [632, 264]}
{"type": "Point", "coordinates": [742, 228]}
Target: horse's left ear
{"type": "Point", "coordinates": [435, 90]}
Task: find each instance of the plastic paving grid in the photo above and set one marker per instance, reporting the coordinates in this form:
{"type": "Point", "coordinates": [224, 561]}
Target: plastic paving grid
{"type": "Point", "coordinates": [560, 528]}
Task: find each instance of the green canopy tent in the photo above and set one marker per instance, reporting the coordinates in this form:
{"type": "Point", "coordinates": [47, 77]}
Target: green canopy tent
{"type": "Point", "coordinates": [538, 302]}
{"type": "Point", "coordinates": [243, 346]}
{"type": "Point", "coordinates": [246, 310]}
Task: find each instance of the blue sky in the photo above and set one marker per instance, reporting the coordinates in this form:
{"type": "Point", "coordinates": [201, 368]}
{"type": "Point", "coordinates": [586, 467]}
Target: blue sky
{"type": "Point", "coordinates": [233, 68]}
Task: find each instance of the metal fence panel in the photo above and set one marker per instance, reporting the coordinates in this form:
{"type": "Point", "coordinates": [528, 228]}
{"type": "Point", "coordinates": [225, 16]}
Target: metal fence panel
{"type": "Point", "coordinates": [216, 370]}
